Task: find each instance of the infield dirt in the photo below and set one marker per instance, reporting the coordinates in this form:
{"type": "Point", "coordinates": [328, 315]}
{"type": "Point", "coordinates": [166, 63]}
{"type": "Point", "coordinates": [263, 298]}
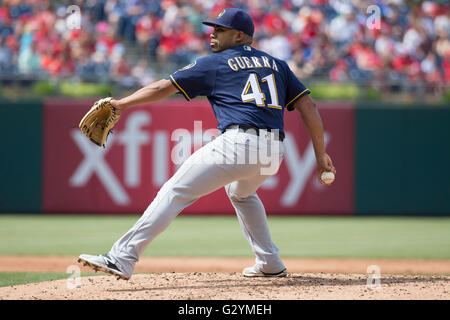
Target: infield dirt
{"type": "Point", "coordinates": [220, 278]}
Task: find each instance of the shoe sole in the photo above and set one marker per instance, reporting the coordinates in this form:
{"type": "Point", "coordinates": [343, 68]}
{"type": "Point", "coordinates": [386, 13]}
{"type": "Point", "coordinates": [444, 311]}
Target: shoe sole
{"type": "Point", "coordinates": [281, 274]}
{"type": "Point", "coordinates": [96, 268]}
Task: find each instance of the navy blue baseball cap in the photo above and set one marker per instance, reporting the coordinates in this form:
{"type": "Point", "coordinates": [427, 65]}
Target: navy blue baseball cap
{"type": "Point", "coordinates": [233, 18]}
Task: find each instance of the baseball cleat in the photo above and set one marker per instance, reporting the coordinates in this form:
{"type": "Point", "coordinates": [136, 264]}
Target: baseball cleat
{"type": "Point", "coordinates": [102, 263]}
{"type": "Point", "coordinates": [252, 272]}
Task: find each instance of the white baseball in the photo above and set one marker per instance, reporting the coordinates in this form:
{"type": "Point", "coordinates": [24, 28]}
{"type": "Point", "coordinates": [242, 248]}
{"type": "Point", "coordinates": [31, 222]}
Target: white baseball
{"type": "Point", "coordinates": [327, 177]}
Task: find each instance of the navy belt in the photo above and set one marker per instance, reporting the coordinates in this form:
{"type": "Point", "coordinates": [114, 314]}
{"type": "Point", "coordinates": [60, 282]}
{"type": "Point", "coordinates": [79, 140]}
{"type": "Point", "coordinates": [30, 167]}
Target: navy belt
{"type": "Point", "coordinates": [252, 129]}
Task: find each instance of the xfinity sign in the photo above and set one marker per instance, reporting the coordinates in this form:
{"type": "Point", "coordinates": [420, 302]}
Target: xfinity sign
{"type": "Point", "coordinates": [171, 149]}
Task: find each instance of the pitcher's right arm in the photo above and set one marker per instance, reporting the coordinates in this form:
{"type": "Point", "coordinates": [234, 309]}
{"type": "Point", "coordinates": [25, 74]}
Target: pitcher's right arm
{"type": "Point", "coordinates": [313, 122]}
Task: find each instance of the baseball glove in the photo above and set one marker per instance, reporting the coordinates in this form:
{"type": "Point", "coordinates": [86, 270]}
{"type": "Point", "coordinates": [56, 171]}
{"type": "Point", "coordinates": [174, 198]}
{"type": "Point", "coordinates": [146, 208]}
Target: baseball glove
{"type": "Point", "coordinates": [99, 120]}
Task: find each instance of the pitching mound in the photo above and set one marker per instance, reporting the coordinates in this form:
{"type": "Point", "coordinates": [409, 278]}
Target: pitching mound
{"type": "Point", "coordinates": [220, 278]}
{"type": "Point", "coordinates": [212, 286]}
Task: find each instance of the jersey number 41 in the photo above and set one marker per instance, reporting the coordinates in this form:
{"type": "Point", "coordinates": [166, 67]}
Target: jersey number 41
{"type": "Point", "coordinates": [252, 91]}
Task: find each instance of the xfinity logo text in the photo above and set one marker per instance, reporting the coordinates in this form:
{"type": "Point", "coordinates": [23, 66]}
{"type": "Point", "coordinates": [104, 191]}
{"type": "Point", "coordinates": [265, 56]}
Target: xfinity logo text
{"type": "Point", "coordinates": [167, 148]}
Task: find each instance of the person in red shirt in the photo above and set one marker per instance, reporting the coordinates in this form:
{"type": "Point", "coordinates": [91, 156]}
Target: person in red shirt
{"type": "Point", "coordinates": [446, 67]}
{"type": "Point", "coordinates": [148, 29]}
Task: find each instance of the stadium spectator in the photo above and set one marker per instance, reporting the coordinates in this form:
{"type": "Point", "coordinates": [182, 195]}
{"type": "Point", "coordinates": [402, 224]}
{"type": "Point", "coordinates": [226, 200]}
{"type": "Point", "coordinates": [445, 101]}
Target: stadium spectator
{"type": "Point", "coordinates": [6, 57]}
{"type": "Point", "coordinates": [148, 29]}
{"type": "Point", "coordinates": [320, 39]}
{"type": "Point", "coordinates": [143, 75]}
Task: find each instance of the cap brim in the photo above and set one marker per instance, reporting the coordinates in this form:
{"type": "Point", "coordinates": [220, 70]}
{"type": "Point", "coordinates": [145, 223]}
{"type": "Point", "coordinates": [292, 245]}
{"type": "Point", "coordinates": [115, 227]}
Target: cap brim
{"type": "Point", "coordinates": [213, 23]}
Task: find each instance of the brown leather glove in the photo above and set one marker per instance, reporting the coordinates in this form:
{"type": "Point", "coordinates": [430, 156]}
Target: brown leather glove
{"type": "Point", "coordinates": [99, 120]}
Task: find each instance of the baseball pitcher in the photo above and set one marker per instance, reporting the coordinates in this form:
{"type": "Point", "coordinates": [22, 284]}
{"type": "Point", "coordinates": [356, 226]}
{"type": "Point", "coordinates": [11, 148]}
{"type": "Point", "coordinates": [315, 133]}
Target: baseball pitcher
{"type": "Point", "coordinates": [249, 90]}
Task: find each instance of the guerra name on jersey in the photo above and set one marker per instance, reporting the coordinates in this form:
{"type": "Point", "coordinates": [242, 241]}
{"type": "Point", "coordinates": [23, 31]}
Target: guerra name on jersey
{"type": "Point", "coordinates": [244, 62]}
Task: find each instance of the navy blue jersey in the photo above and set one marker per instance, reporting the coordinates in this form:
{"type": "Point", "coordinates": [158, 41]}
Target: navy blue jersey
{"type": "Point", "coordinates": [244, 86]}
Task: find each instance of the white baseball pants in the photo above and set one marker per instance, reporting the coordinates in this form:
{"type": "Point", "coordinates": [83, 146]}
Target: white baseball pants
{"type": "Point", "coordinates": [232, 160]}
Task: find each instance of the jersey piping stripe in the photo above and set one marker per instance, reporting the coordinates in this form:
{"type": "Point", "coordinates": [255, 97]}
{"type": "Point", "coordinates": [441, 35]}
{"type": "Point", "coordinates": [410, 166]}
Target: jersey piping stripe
{"type": "Point", "coordinates": [296, 97]}
{"type": "Point", "coordinates": [178, 86]}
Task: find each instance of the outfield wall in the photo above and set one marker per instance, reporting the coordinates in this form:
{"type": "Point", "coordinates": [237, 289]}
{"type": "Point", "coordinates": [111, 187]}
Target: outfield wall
{"type": "Point", "coordinates": [402, 160]}
{"type": "Point", "coordinates": [20, 160]}
{"type": "Point", "coordinates": [389, 160]}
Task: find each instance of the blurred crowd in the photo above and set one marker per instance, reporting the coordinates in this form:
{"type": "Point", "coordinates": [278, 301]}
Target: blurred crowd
{"type": "Point", "coordinates": [134, 42]}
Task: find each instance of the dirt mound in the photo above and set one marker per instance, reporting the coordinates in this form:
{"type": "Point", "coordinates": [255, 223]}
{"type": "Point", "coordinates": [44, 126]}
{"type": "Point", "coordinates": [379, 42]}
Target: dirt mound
{"type": "Point", "coordinates": [213, 286]}
{"type": "Point", "coordinates": [177, 278]}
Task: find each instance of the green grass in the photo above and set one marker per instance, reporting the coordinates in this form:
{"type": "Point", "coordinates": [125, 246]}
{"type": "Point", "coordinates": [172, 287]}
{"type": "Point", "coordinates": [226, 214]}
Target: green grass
{"type": "Point", "coordinates": [17, 278]}
{"type": "Point", "coordinates": [319, 237]}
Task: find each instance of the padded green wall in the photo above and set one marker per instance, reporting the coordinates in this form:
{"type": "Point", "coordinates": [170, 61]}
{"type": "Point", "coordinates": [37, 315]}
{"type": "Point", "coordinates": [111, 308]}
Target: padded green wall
{"type": "Point", "coordinates": [20, 160]}
{"type": "Point", "coordinates": [402, 160]}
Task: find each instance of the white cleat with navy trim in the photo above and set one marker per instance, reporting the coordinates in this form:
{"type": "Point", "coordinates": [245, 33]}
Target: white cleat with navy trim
{"type": "Point", "coordinates": [255, 272]}
{"type": "Point", "coordinates": [102, 263]}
